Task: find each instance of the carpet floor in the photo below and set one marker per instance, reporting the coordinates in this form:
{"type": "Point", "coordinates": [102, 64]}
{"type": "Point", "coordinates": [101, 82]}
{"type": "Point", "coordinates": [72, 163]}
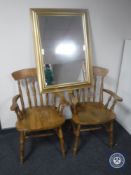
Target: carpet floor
{"type": "Point", "coordinates": [43, 156]}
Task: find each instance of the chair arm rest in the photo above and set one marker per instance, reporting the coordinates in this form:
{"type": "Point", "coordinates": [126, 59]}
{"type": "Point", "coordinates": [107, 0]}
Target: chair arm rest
{"type": "Point", "coordinates": [14, 103]}
{"type": "Point", "coordinates": [63, 102]}
{"type": "Point", "coordinates": [115, 97]}
{"type": "Point", "coordinates": [15, 107]}
{"type": "Point", "coordinates": [73, 102]}
{"type": "Point", "coordinates": [113, 94]}
{"type": "Point", "coordinates": [62, 98]}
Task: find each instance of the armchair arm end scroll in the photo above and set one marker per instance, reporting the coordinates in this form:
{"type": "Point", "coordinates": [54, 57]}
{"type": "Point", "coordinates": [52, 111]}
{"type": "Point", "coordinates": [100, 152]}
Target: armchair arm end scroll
{"type": "Point", "coordinates": [15, 107]}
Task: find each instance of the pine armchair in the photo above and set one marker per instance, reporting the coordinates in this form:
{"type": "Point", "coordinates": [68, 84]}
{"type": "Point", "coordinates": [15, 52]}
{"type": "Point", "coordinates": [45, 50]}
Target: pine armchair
{"type": "Point", "coordinates": [93, 107]}
{"type": "Point", "coordinates": [36, 112]}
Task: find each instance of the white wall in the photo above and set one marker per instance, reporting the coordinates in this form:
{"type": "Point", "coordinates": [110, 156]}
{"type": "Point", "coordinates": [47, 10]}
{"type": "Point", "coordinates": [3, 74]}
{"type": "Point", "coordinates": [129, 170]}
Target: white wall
{"type": "Point", "coordinates": [110, 23]}
{"type": "Point", "coordinates": [124, 89]}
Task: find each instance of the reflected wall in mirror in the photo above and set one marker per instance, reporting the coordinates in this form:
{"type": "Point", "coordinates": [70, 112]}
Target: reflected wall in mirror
{"type": "Point", "coordinates": [62, 45]}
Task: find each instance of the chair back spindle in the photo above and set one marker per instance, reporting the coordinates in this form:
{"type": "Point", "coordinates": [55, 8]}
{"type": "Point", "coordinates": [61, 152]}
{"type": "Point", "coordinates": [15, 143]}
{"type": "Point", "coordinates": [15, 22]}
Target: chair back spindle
{"type": "Point", "coordinates": [28, 93]}
{"type": "Point", "coordinates": [21, 95]}
{"type": "Point", "coordinates": [34, 92]}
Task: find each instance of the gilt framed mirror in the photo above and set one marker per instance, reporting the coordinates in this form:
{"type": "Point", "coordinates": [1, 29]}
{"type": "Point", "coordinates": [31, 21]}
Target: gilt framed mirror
{"type": "Point", "coordinates": [62, 48]}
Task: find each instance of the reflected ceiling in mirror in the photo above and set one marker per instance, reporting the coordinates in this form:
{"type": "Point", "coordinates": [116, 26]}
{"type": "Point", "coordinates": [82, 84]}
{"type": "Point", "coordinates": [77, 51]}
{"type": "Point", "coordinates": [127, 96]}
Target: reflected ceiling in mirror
{"type": "Point", "coordinates": [62, 45]}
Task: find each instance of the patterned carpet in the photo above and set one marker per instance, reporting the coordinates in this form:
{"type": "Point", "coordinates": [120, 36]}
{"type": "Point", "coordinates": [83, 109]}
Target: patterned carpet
{"type": "Point", "coordinates": [43, 156]}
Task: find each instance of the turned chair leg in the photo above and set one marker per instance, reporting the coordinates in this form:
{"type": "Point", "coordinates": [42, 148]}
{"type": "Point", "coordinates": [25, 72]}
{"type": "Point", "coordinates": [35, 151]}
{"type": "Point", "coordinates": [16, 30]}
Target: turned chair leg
{"type": "Point", "coordinates": [111, 139]}
{"type": "Point", "coordinates": [61, 139]}
{"type": "Point", "coordinates": [77, 138]}
{"type": "Point", "coordinates": [22, 141]}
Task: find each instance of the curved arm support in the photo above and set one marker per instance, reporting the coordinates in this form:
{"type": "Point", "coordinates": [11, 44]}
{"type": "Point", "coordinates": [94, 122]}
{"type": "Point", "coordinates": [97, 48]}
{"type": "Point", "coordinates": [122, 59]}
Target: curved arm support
{"type": "Point", "coordinates": [73, 101]}
{"type": "Point", "coordinates": [115, 97]}
{"type": "Point", "coordinates": [15, 107]}
{"type": "Point", "coordinates": [63, 102]}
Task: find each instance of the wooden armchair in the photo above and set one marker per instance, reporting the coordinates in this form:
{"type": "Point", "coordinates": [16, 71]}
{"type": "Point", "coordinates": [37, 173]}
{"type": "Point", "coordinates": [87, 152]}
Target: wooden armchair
{"type": "Point", "coordinates": [36, 112]}
{"type": "Point", "coordinates": [92, 109]}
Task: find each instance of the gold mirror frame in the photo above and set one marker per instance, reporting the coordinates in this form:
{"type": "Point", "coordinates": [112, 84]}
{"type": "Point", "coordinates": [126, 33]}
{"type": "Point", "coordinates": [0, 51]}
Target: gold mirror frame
{"type": "Point", "coordinates": [35, 13]}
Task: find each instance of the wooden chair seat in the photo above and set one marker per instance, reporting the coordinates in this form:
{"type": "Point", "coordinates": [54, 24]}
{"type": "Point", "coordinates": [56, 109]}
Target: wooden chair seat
{"type": "Point", "coordinates": [92, 114]}
{"type": "Point", "coordinates": [40, 118]}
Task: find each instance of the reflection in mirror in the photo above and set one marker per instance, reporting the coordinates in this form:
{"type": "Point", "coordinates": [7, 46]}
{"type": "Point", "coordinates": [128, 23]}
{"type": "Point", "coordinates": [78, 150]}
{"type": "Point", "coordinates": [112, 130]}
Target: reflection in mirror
{"type": "Point", "coordinates": [62, 48]}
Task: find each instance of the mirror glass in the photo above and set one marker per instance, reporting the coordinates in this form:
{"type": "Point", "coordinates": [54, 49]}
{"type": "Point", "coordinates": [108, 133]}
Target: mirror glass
{"type": "Point", "coordinates": [62, 48]}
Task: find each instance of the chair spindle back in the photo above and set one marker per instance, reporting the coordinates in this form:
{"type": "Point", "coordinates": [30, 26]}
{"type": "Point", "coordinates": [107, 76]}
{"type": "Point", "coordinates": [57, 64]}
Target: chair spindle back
{"type": "Point", "coordinates": [29, 90]}
{"type": "Point", "coordinates": [93, 93]}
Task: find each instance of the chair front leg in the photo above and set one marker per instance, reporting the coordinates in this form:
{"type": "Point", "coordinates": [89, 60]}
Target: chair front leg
{"type": "Point", "coordinates": [77, 138]}
{"type": "Point", "coordinates": [22, 142]}
{"type": "Point", "coordinates": [61, 139]}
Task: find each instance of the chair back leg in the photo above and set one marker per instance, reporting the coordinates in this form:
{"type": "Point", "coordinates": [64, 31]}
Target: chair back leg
{"type": "Point", "coordinates": [22, 143]}
{"type": "Point", "coordinates": [61, 139]}
{"type": "Point", "coordinates": [111, 139]}
{"type": "Point", "coordinates": [77, 139]}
